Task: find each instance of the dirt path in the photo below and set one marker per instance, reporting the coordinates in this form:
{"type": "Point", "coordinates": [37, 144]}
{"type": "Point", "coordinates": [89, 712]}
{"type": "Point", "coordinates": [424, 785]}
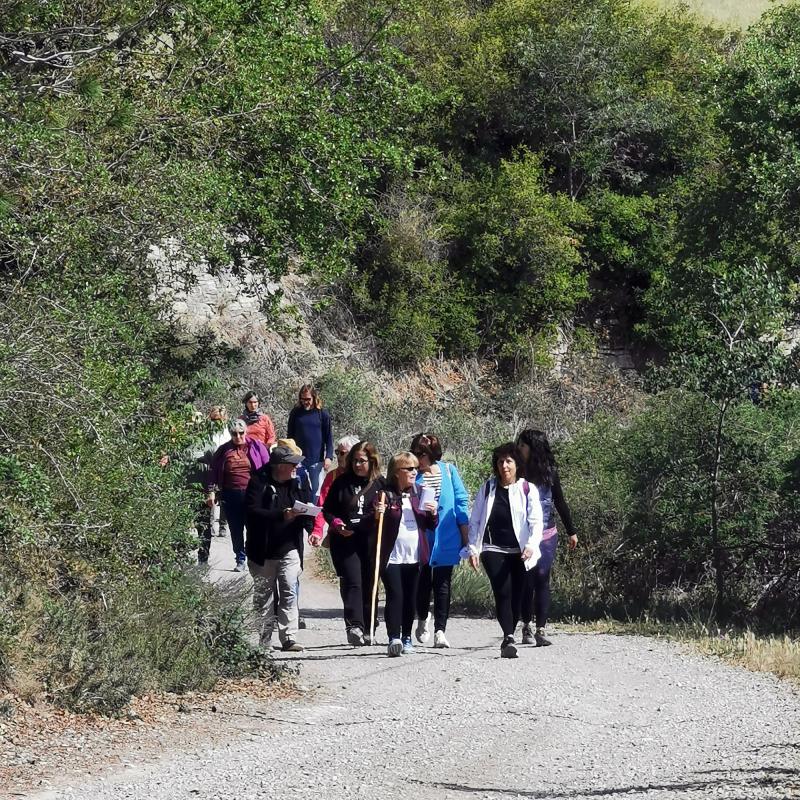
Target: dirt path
{"type": "Point", "coordinates": [595, 716]}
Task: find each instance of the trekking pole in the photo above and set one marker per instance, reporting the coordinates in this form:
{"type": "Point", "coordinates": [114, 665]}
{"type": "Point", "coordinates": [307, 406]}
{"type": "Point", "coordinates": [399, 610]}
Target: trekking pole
{"type": "Point", "coordinates": [373, 624]}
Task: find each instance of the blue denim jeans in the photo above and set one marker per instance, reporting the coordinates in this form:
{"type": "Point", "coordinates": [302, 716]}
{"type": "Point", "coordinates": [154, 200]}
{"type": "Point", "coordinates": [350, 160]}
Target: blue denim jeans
{"type": "Point", "coordinates": [314, 474]}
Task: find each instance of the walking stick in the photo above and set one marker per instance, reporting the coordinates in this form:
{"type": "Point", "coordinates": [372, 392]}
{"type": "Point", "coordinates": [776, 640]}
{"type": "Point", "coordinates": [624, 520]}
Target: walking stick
{"type": "Point", "coordinates": [373, 625]}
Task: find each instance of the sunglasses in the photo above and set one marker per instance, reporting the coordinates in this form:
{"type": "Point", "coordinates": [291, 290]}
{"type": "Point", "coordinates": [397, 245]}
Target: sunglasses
{"type": "Point", "coordinates": [409, 469]}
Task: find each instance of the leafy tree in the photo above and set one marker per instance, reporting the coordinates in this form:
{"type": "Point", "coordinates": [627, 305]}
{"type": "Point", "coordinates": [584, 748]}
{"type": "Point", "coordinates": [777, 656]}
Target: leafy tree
{"type": "Point", "coordinates": [723, 325]}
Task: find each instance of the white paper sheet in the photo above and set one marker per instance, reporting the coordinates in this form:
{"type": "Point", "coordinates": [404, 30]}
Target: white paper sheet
{"type": "Point", "coordinates": [309, 509]}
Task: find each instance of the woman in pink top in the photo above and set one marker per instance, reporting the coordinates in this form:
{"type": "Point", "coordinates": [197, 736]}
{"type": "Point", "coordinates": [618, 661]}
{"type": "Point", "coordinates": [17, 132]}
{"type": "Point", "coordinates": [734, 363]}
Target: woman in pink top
{"type": "Point", "coordinates": [343, 447]}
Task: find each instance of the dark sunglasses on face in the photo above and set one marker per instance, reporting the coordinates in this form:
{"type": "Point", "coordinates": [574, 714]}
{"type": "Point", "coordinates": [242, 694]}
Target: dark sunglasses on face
{"type": "Point", "coordinates": [409, 469]}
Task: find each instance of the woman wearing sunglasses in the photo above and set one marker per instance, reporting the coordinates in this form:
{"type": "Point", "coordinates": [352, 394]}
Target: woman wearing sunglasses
{"type": "Point", "coordinates": [404, 546]}
{"type": "Point", "coordinates": [231, 468]}
{"type": "Point", "coordinates": [445, 542]}
{"type": "Point", "coordinates": [343, 447]}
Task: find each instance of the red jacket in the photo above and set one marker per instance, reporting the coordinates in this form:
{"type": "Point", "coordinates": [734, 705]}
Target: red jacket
{"type": "Point", "coordinates": [263, 430]}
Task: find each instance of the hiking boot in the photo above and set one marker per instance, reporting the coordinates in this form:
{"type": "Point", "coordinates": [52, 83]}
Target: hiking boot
{"type": "Point", "coordinates": [527, 634]}
{"type": "Point", "coordinates": [291, 646]}
{"type": "Point", "coordinates": [395, 647]}
{"type": "Point", "coordinates": [440, 640]}
{"type": "Point", "coordinates": [408, 646]}
{"type": "Point", "coordinates": [540, 640]}
{"type": "Point", "coordinates": [508, 649]}
{"type": "Point", "coordinates": [423, 631]}
{"type": "Point", "coordinates": [355, 637]}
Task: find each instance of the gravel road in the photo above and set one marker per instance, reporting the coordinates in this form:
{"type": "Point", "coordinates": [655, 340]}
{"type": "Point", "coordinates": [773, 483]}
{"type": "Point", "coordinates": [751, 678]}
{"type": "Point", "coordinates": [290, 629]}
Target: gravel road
{"type": "Point", "coordinates": [595, 716]}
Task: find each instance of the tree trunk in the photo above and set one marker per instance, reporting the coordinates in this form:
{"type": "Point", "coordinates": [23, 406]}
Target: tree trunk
{"type": "Point", "coordinates": [717, 548]}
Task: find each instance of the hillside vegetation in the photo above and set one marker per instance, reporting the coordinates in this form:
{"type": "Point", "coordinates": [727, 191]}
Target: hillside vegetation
{"type": "Point", "coordinates": [458, 180]}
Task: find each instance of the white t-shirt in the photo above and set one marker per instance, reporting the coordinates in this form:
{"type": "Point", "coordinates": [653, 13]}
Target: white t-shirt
{"type": "Point", "coordinates": [406, 548]}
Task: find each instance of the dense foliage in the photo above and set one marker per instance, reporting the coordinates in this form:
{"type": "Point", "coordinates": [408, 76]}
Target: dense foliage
{"type": "Point", "coordinates": [469, 179]}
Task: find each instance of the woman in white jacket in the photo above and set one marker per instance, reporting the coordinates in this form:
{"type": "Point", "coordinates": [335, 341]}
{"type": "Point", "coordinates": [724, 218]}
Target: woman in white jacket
{"type": "Point", "coordinates": [505, 529]}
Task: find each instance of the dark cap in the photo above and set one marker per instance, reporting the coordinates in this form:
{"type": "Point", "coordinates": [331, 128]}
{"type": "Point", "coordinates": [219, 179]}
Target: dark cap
{"type": "Point", "coordinates": [283, 455]}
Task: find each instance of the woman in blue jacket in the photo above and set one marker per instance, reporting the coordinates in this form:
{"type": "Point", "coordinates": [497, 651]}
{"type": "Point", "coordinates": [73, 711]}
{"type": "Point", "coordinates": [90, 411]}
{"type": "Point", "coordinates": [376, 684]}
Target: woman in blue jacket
{"type": "Point", "coordinates": [446, 541]}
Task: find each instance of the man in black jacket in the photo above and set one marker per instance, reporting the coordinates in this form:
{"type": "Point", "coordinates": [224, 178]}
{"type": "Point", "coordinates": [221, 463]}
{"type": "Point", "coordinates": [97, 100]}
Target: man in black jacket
{"type": "Point", "coordinates": [275, 534]}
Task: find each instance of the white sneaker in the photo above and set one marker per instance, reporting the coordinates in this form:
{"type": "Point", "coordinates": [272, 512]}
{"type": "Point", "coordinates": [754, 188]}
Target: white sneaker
{"type": "Point", "coordinates": [440, 640]}
{"type": "Point", "coordinates": [423, 631]}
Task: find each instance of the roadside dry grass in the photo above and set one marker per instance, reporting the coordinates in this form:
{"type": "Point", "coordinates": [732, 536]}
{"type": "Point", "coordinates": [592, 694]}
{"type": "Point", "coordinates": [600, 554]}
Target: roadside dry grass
{"type": "Point", "coordinates": [779, 655]}
{"type": "Point", "coordinates": [731, 13]}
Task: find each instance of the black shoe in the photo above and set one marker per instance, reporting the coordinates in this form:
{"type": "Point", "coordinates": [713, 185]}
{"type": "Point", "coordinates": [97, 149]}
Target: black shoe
{"type": "Point", "coordinates": [291, 646]}
{"type": "Point", "coordinates": [527, 634]}
{"type": "Point", "coordinates": [508, 649]}
{"type": "Point", "coordinates": [355, 637]}
{"type": "Point", "coordinates": [301, 623]}
{"type": "Point", "coordinates": [540, 640]}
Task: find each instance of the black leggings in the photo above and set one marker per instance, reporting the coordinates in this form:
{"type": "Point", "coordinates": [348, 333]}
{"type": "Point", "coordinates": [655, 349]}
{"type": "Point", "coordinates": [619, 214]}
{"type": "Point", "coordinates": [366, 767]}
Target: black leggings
{"type": "Point", "coordinates": [506, 572]}
{"type": "Point", "coordinates": [536, 594]}
{"type": "Point", "coordinates": [352, 564]}
{"type": "Point", "coordinates": [436, 579]}
{"type": "Point", "coordinates": [400, 583]}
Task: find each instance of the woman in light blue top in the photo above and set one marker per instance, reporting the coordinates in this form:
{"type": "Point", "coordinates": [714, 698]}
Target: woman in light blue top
{"type": "Point", "coordinates": [446, 541]}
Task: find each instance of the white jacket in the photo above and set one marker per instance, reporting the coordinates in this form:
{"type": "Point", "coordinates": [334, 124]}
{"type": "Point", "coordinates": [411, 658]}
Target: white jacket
{"type": "Point", "coordinates": [526, 516]}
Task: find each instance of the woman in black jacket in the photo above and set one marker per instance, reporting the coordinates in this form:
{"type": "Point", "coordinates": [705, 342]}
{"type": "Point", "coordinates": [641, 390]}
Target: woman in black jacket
{"type": "Point", "coordinates": [275, 534]}
{"type": "Point", "coordinates": [347, 504]}
{"type": "Point", "coordinates": [540, 470]}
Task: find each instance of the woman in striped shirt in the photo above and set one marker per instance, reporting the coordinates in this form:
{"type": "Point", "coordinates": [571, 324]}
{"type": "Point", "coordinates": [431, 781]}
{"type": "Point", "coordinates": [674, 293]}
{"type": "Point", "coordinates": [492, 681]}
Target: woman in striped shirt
{"type": "Point", "coordinates": [445, 541]}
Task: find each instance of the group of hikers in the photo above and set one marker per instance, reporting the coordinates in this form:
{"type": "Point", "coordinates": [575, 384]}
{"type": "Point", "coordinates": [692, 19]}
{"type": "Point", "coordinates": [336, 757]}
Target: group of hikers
{"type": "Point", "coordinates": [409, 527]}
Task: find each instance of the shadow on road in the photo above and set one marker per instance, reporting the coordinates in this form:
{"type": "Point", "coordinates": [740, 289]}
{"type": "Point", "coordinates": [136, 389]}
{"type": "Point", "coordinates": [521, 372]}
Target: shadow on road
{"type": "Point", "coordinates": [742, 779]}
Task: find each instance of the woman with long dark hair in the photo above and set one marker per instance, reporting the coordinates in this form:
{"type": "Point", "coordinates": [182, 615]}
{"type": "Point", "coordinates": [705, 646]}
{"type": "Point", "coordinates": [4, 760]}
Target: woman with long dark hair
{"type": "Point", "coordinates": [505, 529]}
{"type": "Point", "coordinates": [348, 512]}
{"type": "Point", "coordinates": [539, 467]}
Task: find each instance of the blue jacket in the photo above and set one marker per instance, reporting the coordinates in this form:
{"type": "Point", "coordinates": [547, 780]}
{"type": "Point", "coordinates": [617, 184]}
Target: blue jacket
{"type": "Point", "coordinates": [445, 539]}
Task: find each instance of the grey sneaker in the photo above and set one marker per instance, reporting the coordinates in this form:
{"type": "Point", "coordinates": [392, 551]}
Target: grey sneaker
{"type": "Point", "coordinates": [408, 646]}
{"type": "Point", "coordinates": [440, 640]}
{"type": "Point", "coordinates": [395, 647]}
{"type": "Point", "coordinates": [527, 634]}
{"type": "Point", "coordinates": [508, 649]}
{"type": "Point", "coordinates": [423, 631]}
{"type": "Point", "coordinates": [241, 566]}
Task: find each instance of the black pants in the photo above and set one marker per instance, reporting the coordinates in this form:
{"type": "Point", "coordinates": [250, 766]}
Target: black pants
{"type": "Point", "coordinates": [202, 523]}
{"type": "Point", "coordinates": [536, 594]}
{"type": "Point", "coordinates": [436, 579]}
{"type": "Point", "coordinates": [350, 556]}
{"type": "Point", "coordinates": [400, 583]}
{"type": "Point", "coordinates": [506, 572]}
